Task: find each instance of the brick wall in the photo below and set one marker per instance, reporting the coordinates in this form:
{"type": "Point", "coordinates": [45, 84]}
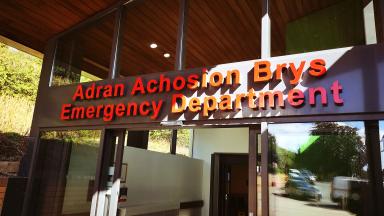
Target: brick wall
{"type": "Point", "coordinates": [3, 187]}
{"type": "Point", "coordinates": [6, 168]}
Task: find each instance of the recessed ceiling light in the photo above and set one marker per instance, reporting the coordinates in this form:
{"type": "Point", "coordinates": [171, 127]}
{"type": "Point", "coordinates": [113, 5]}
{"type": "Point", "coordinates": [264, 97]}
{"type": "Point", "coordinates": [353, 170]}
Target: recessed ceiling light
{"type": "Point", "coordinates": [153, 45]}
{"type": "Point", "coordinates": [167, 55]}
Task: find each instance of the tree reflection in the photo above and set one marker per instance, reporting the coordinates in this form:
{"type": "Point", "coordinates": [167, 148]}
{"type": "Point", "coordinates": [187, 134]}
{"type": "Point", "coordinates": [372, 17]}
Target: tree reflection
{"type": "Point", "coordinates": [337, 150]}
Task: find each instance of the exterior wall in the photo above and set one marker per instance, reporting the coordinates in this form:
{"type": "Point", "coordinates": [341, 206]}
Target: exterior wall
{"type": "Point", "coordinates": [159, 182]}
{"type": "Point", "coordinates": [209, 141]}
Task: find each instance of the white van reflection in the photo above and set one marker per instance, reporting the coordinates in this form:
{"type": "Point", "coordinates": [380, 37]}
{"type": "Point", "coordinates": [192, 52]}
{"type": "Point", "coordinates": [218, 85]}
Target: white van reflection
{"type": "Point", "coordinates": [347, 190]}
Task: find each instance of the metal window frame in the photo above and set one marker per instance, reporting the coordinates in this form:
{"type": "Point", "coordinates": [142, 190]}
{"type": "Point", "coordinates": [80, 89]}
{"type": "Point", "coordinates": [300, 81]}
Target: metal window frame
{"type": "Point", "coordinates": [265, 53]}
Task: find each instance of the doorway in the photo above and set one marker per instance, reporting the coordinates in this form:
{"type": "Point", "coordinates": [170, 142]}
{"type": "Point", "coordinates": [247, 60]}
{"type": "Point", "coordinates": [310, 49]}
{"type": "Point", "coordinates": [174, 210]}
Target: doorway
{"type": "Point", "coordinates": [229, 184]}
{"type": "Point", "coordinates": [180, 180]}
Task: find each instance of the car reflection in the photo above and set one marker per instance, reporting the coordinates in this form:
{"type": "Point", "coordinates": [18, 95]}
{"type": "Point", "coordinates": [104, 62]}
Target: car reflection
{"type": "Point", "coordinates": [300, 188]}
{"type": "Point", "coordinates": [308, 175]}
{"type": "Point", "coordinates": [341, 194]}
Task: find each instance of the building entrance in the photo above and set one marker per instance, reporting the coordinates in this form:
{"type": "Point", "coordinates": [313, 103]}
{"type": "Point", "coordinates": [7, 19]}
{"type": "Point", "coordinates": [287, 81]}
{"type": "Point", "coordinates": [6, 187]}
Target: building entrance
{"type": "Point", "coordinates": [140, 175]}
{"type": "Point", "coordinates": [320, 168]}
{"type": "Point", "coordinates": [229, 184]}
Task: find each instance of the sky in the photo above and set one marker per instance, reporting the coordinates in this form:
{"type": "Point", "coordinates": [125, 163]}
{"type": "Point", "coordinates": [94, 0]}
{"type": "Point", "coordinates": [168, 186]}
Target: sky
{"type": "Point", "coordinates": [291, 136]}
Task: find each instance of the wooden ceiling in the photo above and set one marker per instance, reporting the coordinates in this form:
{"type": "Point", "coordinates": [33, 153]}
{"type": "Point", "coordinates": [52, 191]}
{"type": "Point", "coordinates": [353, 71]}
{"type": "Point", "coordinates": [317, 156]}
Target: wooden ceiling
{"type": "Point", "coordinates": [219, 31]}
{"type": "Point", "coordinates": [223, 31]}
{"type": "Point", "coordinates": [145, 23]}
{"type": "Point", "coordinates": [33, 22]}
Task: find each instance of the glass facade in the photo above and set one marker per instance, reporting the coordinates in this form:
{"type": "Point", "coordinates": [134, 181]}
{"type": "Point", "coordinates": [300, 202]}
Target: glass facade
{"type": "Point", "coordinates": [318, 169]}
{"type": "Point", "coordinates": [184, 142]}
{"type": "Point", "coordinates": [160, 140]}
{"type": "Point", "coordinates": [150, 29]}
{"type": "Point", "coordinates": [68, 167]}
{"type": "Point", "coordinates": [84, 55]}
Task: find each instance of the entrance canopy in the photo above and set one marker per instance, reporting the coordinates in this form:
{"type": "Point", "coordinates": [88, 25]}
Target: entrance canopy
{"type": "Point", "coordinates": [219, 42]}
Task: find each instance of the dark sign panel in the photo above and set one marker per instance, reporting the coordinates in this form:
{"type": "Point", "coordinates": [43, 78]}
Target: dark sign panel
{"type": "Point", "coordinates": [340, 81]}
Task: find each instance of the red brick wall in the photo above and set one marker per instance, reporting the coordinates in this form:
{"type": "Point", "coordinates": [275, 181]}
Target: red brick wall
{"type": "Point", "coordinates": [3, 187]}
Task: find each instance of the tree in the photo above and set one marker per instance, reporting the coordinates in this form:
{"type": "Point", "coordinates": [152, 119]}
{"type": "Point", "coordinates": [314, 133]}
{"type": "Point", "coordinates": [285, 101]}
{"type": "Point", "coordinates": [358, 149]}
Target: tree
{"type": "Point", "coordinates": [19, 73]}
{"type": "Point", "coordinates": [19, 77]}
{"type": "Point", "coordinates": [339, 151]}
{"type": "Point", "coordinates": [283, 158]}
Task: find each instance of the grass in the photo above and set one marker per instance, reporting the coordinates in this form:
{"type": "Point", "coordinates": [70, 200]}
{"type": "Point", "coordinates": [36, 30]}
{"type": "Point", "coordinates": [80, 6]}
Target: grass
{"type": "Point", "coordinates": [15, 115]}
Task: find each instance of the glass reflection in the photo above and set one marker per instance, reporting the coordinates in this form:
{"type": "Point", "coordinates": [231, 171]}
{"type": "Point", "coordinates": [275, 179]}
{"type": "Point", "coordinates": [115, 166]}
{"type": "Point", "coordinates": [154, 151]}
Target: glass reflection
{"type": "Point", "coordinates": [68, 161]}
{"type": "Point", "coordinates": [318, 169]}
{"type": "Point", "coordinates": [84, 55]}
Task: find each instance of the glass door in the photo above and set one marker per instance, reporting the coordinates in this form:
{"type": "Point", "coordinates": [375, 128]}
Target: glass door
{"type": "Point", "coordinates": [65, 176]}
{"type": "Point", "coordinates": [318, 168]}
{"type": "Point", "coordinates": [110, 171]}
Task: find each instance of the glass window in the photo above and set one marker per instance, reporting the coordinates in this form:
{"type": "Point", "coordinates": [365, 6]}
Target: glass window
{"type": "Point", "coordinates": [84, 55]}
{"type": "Point", "coordinates": [318, 169]}
{"type": "Point", "coordinates": [222, 31]}
{"type": "Point", "coordinates": [311, 25]}
{"type": "Point", "coordinates": [149, 37]}
{"type": "Point", "coordinates": [160, 140]}
{"type": "Point", "coordinates": [184, 142]}
{"type": "Point", "coordinates": [68, 167]}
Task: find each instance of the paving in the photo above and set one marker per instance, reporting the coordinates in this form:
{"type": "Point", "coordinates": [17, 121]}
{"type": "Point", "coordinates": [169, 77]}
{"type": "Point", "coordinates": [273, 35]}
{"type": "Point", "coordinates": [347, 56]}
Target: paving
{"type": "Point", "coordinates": [282, 205]}
{"type": "Point", "coordinates": [290, 207]}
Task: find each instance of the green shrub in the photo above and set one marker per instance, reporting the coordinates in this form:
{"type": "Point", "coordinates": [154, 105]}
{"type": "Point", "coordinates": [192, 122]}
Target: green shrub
{"type": "Point", "coordinates": [19, 73]}
{"type": "Point", "coordinates": [12, 146]}
{"type": "Point", "coordinates": [19, 78]}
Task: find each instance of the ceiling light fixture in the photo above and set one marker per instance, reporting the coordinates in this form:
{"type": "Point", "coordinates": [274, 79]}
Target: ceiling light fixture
{"type": "Point", "coordinates": [167, 55]}
{"type": "Point", "coordinates": [153, 45]}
